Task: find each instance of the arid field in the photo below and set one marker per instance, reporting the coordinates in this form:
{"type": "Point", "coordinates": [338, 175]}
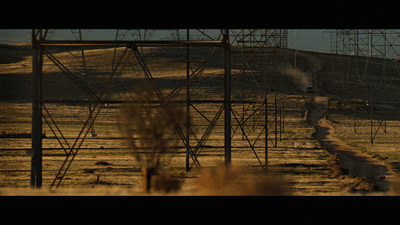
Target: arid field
{"type": "Point", "coordinates": [104, 165]}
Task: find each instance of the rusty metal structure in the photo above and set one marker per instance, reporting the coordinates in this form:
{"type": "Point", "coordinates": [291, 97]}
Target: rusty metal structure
{"type": "Point", "coordinates": [225, 73]}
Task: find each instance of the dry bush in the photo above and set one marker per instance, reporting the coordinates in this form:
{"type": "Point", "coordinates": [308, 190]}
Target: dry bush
{"type": "Point", "coordinates": [148, 128]}
{"type": "Point", "coordinates": [166, 183]}
{"type": "Point", "coordinates": [358, 184]}
{"type": "Point", "coordinates": [228, 180]}
{"type": "Point", "coordinates": [334, 164]}
{"type": "Point", "coordinates": [149, 131]}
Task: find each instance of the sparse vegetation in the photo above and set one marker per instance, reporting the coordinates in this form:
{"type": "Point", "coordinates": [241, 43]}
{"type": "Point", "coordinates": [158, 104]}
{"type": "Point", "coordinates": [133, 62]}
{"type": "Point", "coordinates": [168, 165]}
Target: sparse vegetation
{"type": "Point", "coordinates": [149, 132]}
{"type": "Point", "coordinates": [334, 164]}
{"type": "Point", "coordinates": [229, 180]}
{"type": "Point", "coordinates": [298, 166]}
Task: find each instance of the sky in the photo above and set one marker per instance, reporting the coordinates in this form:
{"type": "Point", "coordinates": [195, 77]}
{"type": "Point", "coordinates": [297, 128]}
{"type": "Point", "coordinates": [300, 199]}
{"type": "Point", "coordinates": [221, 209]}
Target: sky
{"type": "Point", "coordinates": [308, 39]}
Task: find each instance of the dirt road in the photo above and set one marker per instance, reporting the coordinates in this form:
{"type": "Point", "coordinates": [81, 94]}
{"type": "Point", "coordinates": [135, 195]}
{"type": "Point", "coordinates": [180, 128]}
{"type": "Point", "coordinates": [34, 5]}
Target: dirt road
{"type": "Point", "coordinates": [357, 163]}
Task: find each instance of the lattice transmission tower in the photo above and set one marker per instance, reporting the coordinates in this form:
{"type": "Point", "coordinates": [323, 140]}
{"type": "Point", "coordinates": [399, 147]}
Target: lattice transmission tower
{"type": "Point", "coordinates": [224, 80]}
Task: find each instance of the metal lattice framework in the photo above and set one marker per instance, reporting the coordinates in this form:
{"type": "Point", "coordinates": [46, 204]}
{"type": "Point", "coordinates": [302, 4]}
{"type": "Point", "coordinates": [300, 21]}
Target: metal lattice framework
{"type": "Point", "coordinates": [243, 66]}
{"type": "Point", "coordinates": [367, 61]}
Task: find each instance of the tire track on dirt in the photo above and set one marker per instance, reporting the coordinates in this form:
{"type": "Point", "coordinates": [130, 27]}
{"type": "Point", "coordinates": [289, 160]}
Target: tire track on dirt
{"type": "Point", "coordinates": [357, 163]}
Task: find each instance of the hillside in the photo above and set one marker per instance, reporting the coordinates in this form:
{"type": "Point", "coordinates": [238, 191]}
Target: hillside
{"type": "Point", "coordinates": [302, 163]}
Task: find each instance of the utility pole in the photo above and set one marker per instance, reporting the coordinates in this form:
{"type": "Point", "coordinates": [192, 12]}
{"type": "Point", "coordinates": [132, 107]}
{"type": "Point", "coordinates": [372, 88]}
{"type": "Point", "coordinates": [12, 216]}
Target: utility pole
{"type": "Point", "coordinates": [266, 101]}
{"type": "Point", "coordinates": [36, 154]}
{"type": "Point", "coordinates": [227, 99]}
{"type": "Point", "coordinates": [295, 47]}
{"type": "Point", "coordinates": [187, 102]}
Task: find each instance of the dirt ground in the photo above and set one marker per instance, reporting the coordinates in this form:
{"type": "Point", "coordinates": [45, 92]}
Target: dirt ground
{"type": "Point", "coordinates": [354, 162]}
{"type": "Point", "coordinates": [352, 159]}
{"type": "Point", "coordinates": [299, 165]}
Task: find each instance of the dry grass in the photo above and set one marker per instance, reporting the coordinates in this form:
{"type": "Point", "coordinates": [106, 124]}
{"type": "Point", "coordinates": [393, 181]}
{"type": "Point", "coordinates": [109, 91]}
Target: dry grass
{"type": "Point", "coordinates": [335, 166]}
{"type": "Point", "coordinates": [385, 147]}
{"type": "Point", "coordinates": [228, 180]}
{"type": "Point", "coordinates": [70, 191]}
{"type": "Point", "coordinates": [300, 164]}
{"type": "Point", "coordinates": [166, 183]}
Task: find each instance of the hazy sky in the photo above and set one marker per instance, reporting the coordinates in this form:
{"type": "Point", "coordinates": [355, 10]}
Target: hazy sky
{"type": "Point", "coordinates": [308, 39]}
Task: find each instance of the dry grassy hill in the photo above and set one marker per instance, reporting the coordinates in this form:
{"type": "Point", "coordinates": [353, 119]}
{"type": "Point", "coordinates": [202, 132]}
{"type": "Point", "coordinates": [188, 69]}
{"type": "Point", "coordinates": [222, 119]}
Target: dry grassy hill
{"type": "Point", "coordinates": [298, 165]}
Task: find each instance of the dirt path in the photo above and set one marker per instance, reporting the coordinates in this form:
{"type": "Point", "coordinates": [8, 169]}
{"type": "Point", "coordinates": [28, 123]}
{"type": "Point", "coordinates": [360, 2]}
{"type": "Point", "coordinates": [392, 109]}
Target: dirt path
{"type": "Point", "coordinates": [357, 163]}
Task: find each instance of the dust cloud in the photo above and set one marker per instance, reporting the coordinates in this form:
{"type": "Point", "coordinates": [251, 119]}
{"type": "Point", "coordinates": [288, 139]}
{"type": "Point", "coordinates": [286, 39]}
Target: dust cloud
{"type": "Point", "coordinates": [300, 79]}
